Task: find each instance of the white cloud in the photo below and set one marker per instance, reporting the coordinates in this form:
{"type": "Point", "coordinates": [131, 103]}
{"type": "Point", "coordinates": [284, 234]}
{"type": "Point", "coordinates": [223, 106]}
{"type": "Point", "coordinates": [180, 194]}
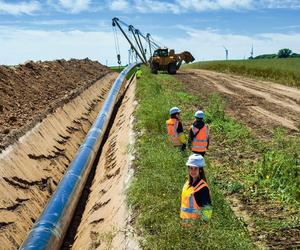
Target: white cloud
{"type": "Point", "coordinates": [145, 6]}
{"type": "Point", "coordinates": [280, 4]}
{"type": "Point", "coordinates": [208, 44]}
{"type": "Point", "coordinates": [73, 6]}
{"type": "Point", "coordinates": [19, 8]}
{"type": "Point", "coordinates": [19, 45]}
{"type": "Point", "coordinates": [184, 6]}
{"type": "Point", "coordinates": [177, 6]}
{"type": "Point", "coordinates": [204, 5]}
{"type": "Point", "coordinates": [119, 5]}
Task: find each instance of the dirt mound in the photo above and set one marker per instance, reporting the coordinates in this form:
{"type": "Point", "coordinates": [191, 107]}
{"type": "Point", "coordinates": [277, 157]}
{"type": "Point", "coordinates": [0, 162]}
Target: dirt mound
{"type": "Point", "coordinates": [30, 91]}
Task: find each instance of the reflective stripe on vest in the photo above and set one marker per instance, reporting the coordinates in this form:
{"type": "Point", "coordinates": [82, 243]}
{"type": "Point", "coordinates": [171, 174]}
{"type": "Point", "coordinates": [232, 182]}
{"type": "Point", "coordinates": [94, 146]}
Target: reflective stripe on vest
{"type": "Point", "coordinates": [200, 141]}
{"type": "Point", "coordinates": [189, 208]}
{"type": "Point", "coordinates": [172, 125]}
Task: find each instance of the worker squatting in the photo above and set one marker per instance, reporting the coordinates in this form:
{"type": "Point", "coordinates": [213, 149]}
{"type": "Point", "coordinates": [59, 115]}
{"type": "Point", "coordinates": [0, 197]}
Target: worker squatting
{"type": "Point", "coordinates": [196, 206]}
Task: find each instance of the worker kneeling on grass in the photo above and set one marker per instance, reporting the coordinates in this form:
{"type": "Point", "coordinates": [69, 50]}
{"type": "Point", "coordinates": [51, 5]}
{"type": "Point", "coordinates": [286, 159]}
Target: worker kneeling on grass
{"type": "Point", "coordinates": [175, 129]}
{"type": "Point", "coordinates": [199, 135]}
{"type": "Point", "coordinates": [138, 73]}
{"type": "Point", "coordinates": [195, 198]}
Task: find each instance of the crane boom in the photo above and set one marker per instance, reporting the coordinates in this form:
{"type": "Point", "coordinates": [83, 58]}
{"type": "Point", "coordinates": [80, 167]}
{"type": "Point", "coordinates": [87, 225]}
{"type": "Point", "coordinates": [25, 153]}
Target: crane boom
{"type": "Point", "coordinates": [162, 59]}
{"type": "Point", "coordinates": [115, 22]}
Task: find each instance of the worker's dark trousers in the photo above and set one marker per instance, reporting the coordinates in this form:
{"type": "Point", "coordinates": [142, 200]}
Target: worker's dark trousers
{"type": "Point", "coordinates": [199, 153]}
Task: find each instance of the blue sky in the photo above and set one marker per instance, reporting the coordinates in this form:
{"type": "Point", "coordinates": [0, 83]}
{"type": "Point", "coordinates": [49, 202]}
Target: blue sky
{"type": "Point", "coordinates": [54, 29]}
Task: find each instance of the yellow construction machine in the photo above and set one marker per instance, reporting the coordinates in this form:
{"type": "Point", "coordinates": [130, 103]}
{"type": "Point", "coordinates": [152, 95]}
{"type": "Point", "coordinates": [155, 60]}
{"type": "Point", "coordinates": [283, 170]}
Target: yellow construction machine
{"type": "Point", "coordinates": [162, 59]}
{"type": "Point", "coordinates": [166, 60]}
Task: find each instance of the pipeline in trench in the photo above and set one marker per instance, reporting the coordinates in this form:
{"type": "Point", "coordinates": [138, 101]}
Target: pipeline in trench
{"type": "Point", "coordinates": [51, 227]}
{"type": "Point", "coordinates": [31, 168]}
{"type": "Point", "coordinates": [82, 204]}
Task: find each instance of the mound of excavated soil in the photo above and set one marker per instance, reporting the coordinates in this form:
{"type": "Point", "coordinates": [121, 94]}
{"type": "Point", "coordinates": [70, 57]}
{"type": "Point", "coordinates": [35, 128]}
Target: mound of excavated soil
{"type": "Point", "coordinates": [30, 91]}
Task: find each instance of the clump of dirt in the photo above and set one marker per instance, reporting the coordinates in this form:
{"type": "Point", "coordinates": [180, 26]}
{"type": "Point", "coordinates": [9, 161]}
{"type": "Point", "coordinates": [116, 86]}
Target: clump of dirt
{"type": "Point", "coordinates": [30, 91]}
{"type": "Point", "coordinates": [285, 238]}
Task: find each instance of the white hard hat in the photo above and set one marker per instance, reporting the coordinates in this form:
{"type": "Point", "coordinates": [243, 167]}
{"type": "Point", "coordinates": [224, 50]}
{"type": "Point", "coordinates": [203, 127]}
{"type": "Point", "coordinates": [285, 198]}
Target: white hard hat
{"type": "Point", "coordinates": [199, 114]}
{"type": "Point", "coordinates": [196, 161]}
{"type": "Point", "coordinates": [174, 110]}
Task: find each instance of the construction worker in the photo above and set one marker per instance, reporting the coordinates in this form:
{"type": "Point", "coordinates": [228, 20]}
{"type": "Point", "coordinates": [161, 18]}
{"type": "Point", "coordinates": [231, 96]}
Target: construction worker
{"type": "Point", "coordinates": [138, 73]}
{"type": "Point", "coordinates": [199, 135]}
{"type": "Point", "coordinates": [195, 198]}
{"type": "Point", "coordinates": [175, 129]}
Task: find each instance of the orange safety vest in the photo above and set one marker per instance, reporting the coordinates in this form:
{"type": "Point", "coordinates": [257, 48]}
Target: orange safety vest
{"type": "Point", "coordinates": [189, 206]}
{"type": "Point", "coordinates": [172, 125]}
{"type": "Point", "coordinates": [200, 141]}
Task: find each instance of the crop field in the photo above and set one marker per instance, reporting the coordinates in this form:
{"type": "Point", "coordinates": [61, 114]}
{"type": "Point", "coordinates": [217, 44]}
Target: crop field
{"type": "Point", "coordinates": [285, 71]}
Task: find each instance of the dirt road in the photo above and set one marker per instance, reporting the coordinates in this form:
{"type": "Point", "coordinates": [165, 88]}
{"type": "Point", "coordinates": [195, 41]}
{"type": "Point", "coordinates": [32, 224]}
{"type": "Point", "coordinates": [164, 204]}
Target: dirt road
{"type": "Point", "coordinates": [260, 105]}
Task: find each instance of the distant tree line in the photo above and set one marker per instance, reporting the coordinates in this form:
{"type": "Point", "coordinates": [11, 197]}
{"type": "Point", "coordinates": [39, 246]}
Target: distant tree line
{"type": "Point", "coordinates": [283, 53]}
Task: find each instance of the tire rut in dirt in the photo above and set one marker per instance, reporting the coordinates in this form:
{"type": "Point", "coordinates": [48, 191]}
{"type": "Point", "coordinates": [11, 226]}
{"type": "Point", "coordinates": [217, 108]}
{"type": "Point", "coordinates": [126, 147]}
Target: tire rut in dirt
{"type": "Point", "coordinates": [254, 111]}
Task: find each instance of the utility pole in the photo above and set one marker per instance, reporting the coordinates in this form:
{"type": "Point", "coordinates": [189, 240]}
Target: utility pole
{"type": "Point", "coordinates": [226, 52]}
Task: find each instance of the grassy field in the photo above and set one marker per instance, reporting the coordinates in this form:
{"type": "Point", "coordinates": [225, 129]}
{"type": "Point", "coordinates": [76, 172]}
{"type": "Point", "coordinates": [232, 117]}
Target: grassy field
{"type": "Point", "coordinates": [120, 68]}
{"type": "Point", "coordinates": [264, 176]}
{"type": "Point", "coordinates": [260, 174]}
{"type": "Point", "coordinates": [117, 68]}
{"type": "Point", "coordinates": [285, 71]}
{"type": "Point", "coordinates": [161, 173]}
{"type": "Point", "coordinates": [268, 168]}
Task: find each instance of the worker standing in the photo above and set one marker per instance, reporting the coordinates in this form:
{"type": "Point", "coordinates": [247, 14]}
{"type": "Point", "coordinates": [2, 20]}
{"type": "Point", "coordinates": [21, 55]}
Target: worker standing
{"type": "Point", "coordinates": [175, 129]}
{"type": "Point", "coordinates": [199, 134]}
{"type": "Point", "coordinates": [195, 199]}
{"type": "Point", "coordinates": [138, 73]}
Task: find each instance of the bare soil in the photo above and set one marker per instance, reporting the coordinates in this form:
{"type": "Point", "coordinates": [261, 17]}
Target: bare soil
{"type": "Point", "coordinates": [261, 106]}
{"type": "Point", "coordinates": [53, 130]}
{"type": "Point", "coordinates": [30, 91]}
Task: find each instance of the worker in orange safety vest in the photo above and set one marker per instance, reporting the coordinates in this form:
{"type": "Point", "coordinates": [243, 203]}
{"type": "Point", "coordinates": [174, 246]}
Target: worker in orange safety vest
{"type": "Point", "coordinates": [175, 129]}
{"type": "Point", "coordinates": [195, 198]}
{"type": "Point", "coordinates": [198, 139]}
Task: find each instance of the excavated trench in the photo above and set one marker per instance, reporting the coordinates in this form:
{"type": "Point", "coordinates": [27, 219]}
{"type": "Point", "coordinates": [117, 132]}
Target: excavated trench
{"type": "Point", "coordinates": [32, 168]}
{"type": "Point", "coordinates": [102, 220]}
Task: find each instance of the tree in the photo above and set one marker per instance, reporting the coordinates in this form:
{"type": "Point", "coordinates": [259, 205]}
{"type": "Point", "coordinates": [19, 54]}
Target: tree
{"type": "Point", "coordinates": [295, 55]}
{"type": "Point", "coordinates": [284, 53]}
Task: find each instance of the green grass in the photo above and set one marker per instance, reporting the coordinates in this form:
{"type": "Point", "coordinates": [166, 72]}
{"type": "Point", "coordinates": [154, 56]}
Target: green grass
{"type": "Point", "coordinates": [285, 71]}
{"type": "Point", "coordinates": [117, 68]}
{"type": "Point", "coordinates": [274, 167]}
{"type": "Point", "coordinates": [237, 163]}
{"type": "Point", "coordinates": [120, 68]}
{"type": "Point", "coordinates": [279, 168]}
{"type": "Point", "coordinates": [257, 171]}
{"type": "Point", "coordinates": [161, 172]}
